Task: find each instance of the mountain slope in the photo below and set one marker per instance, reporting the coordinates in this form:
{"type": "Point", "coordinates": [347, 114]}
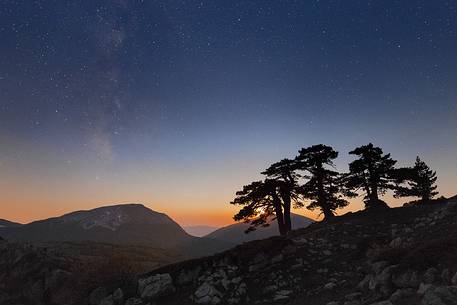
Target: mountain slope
{"type": "Point", "coordinates": [8, 224]}
{"type": "Point", "coordinates": [235, 233]}
{"type": "Point", "coordinates": [128, 224]}
{"type": "Point", "coordinates": [200, 231]}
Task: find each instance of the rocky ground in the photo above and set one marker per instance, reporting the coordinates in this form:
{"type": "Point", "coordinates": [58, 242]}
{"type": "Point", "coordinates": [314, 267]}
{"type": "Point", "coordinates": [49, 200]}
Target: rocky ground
{"type": "Point", "coordinates": [65, 273]}
{"type": "Point", "coordinates": [401, 256]}
{"type": "Point", "coordinates": [391, 257]}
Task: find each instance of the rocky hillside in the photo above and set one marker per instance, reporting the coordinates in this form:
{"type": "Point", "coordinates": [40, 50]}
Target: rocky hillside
{"type": "Point", "coordinates": [66, 272]}
{"type": "Point", "coordinates": [28, 274]}
{"type": "Point", "coordinates": [395, 256]}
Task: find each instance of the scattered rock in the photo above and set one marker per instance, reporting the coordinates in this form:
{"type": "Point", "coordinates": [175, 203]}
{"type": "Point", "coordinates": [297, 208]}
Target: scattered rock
{"type": "Point", "coordinates": [155, 286]}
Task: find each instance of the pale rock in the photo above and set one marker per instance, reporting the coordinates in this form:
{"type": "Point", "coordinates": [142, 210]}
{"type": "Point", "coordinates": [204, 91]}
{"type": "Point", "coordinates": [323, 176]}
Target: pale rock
{"type": "Point", "coordinates": [396, 242]}
{"type": "Point", "coordinates": [207, 294]}
{"type": "Point", "coordinates": [330, 286]}
{"type": "Point", "coordinates": [155, 286]}
{"type": "Point", "coordinates": [454, 279]}
{"type": "Point", "coordinates": [134, 301]}
{"type": "Point", "coordinates": [424, 287]}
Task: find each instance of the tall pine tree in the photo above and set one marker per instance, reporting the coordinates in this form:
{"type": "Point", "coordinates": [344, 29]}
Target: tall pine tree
{"type": "Point", "coordinates": [284, 173]}
{"type": "Point", "coordinates": [372, 173]}
{"type": "Point", "coordinates": [323, 187]}
{"type": "Point", "coordinates": [420, 182]}
{"type": "Point", "coordinates": [261, 201]}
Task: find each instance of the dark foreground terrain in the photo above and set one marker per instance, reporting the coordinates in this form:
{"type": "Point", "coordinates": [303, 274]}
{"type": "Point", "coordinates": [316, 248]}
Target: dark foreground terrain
{"type": "Point", "coordinates": [396, 256]}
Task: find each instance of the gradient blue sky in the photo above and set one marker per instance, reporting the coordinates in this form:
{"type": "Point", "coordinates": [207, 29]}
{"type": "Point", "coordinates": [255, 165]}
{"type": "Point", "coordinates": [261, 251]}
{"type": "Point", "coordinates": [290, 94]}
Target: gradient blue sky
{"type": "Point", "coordinates": [177, 104]}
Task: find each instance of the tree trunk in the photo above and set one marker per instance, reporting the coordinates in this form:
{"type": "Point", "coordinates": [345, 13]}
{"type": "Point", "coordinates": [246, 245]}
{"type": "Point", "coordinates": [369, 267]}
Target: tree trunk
{"type": "Point", "coordinates": [425, 197]}
{"type": "Point", "coordinates": [328, 214]}
{"type": "Point", "coordinates": [287, 220]}
{"type": "Point", "coordinates": [285, 195]}
{"type": "Point", "coordinates": [374, 193]}
{"type": "Point", "coordinates": [279, 215]}
{"type": "Point", "coordinates": [321, 198]}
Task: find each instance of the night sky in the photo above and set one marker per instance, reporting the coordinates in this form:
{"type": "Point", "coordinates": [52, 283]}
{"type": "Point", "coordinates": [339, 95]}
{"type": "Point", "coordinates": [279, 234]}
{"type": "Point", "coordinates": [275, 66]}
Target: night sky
{"type": "Point", "coordinates": [177, 104]}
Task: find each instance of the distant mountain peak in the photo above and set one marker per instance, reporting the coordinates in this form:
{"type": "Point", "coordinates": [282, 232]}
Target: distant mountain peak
{"type": "Point", "coordinates": [114, 216]}
{"type": "Point", "coordinates": [122, 224]}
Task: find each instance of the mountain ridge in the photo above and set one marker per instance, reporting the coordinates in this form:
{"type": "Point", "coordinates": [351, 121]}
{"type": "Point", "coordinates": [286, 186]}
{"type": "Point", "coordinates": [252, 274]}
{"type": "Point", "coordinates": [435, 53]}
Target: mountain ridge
{"type": "Point", "coordinates": [122, 224]}
{"type": "Point", "coordinates": [200, 230]}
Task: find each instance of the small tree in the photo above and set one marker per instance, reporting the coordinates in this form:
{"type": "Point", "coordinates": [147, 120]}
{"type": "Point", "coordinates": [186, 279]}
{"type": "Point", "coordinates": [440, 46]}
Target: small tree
{"type": "Point", "coordinates": [323, 186]}
{"type": "Point", "coordinates": [283, 172]}
{"type": "Point", "coordinates": [260, 201]}
{"type": "Point", "coordinates": [420, 182]}
{"type": "Point", "coordinates": [372, 172]}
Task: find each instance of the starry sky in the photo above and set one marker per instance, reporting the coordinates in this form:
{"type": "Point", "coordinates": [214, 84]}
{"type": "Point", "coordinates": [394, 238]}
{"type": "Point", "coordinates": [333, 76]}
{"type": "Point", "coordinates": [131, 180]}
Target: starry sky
{"type": "Point", "coordinates": [177, 104]}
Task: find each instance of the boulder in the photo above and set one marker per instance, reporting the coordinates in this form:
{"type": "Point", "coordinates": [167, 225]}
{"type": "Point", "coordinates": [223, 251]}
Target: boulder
{"type": "Point", "coordinates": [207, 294]}
{"type": "Point", "coordinates": [134, 301]}
{"type": "Point", "coordinates": [443, 295]}
{"type": "Point", "coordinates": [155, 286]}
